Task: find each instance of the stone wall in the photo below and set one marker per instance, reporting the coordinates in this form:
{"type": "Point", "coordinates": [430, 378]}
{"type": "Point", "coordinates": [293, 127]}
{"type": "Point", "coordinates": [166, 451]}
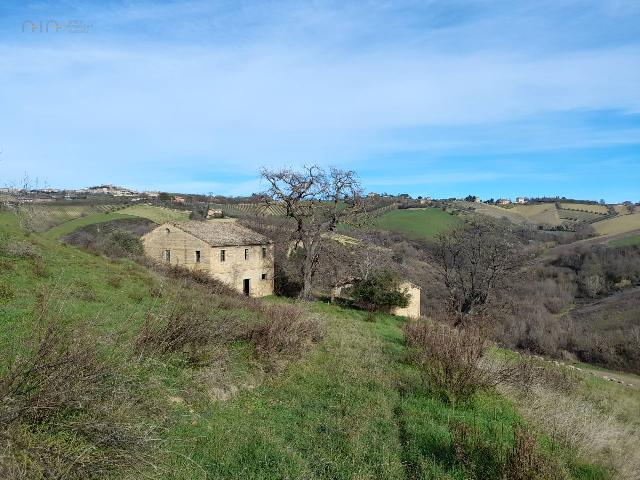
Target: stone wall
{"type": "Point", "coordinates": [413, 309]}
{"type": "Point", "coordinates": [233, 271]}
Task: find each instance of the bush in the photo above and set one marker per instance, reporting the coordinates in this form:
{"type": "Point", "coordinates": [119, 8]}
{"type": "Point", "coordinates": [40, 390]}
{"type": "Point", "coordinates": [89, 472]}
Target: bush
{"type": "Point", "coordinates": [6, 291]}
{"type": "Point", "coordinates": [183, 327]}
{"type": "Point", "coordinates": [453, 361]}
{"type": "Point", "coordinates": [62, 373]}
{"type": "Point", "coordinates": [284, 333]}
{"type": "Point", "coordinates": [380, 291]}
{"type": "Point", "coordinates": [121, 243]}
{"type": "Point", "coordinates": [61, 389]}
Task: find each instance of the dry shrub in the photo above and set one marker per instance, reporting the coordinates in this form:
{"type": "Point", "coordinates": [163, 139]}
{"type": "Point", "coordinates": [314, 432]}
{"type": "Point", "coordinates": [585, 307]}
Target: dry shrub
{"type": "Point", "coordinates": [488, 457]}
{"type": "Point", "coordinates": [188, 276]}
{"type": "Point", "coordinates": [453, 361]}
{"type": "Point", "coordinates": [65, 413]}
{"type": "Point", "coordinates": [526, 462]}
{"type": "Point", "coordinates": [185, 326]}
{"type": "Point", "coordinates": [115, 282]}
{"type": "Point", "coordinates": [38, 267]}
{"type": "Point", "coordinates": [62, 373]}
{"type": "Point", "coordinates": [6, 291]}
{"type": "Point", "coordinates": [284, 332]}
{"type": "Point", "coordinates": [20, 249]}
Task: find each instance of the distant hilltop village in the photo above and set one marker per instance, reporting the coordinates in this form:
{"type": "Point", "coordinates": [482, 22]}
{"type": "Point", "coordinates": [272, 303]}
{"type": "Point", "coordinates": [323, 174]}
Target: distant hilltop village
{"type": "Point", "coordinates": [109, 191]}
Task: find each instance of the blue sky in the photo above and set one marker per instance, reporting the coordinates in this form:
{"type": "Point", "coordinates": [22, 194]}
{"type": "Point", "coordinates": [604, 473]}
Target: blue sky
{"type": "Point", "coordinates": [441, 98]}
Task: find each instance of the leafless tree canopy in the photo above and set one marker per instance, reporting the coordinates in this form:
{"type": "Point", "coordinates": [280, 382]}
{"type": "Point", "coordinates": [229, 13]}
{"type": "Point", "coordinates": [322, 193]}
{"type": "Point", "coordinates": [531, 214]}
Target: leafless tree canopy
{"type": "Point", "coordinates": [317, 200]}
{"type": "Point", "coordinates": [478, 263]}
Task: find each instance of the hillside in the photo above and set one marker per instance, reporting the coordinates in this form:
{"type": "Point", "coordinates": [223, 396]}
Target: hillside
{"type": "Point", "coordinates": [620, 224]}
{"type": "Point", "coordinates": [234, 405]}
{"type": "Point", "coordinates": [417, 222]}
{"type": "Point", "coordinates": [158, 215]}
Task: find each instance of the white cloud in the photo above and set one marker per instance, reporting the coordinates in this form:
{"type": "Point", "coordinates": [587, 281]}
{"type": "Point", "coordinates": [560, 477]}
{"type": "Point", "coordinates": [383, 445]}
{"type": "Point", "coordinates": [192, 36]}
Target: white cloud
{"type": "Point", "coordinates": [237, 103]}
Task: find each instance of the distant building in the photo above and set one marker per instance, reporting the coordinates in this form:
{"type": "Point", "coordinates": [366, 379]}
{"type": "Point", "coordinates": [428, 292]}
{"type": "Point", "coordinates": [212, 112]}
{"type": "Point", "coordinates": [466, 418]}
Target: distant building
{"type": "Point", "coordinates": [111, 190]}
{"type": "Point", "coordinates": [227, 251]}
{"type": "Point", "coordinates": [503, 201]}
{"type": "Point", "coordinates": [178, 199]}
{"type": "Point", "coordinates": [152, 194]}
{"type": "Point", "coordinates": [425, 200]}
{"type": "Point", "coordinates": [215, 213]}
{"type": "Point", "coordinates": [521, 200]}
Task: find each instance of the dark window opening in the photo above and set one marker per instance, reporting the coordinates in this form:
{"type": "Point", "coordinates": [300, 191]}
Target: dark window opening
{"type": "Point", "coordinates": [222, 255]}
{"type": "Point", "coordinates": [264, 252]}
{"type": "Point", "coordinates": [246, 253]}
{"type": "Point", "coordinates": [264, 276]}
{"type": "Point", "coordinates": [197, 256]}
{"type": "Point", "coordinates": [167, 255]}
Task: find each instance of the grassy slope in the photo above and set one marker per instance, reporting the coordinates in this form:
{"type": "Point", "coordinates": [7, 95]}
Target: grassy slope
{"type": "Point", "coordinates": [71, 225]}
{"type": "Point", "coordinates": [351, 409]}
{"type": "Point", "coordinates": [626, 242]}
{"type": "Point", "coordinates": [544, 213]}
{"type": "Point", "coordinates": [493, 211]}
{"type": "Point", "coordinates": [158, 215]}
{"type": "Point", "coordinates": [615, 225]}
{"type": "Point", "coordinates": [588, 207]}
{"type": "Point", "coordinates": [421, 223]}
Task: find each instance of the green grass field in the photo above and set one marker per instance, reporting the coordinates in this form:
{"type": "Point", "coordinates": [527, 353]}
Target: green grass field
{"type": "Point", "coordinates": [417, 222]}
{"type": "Point", "coordinates": [352, 407]}
{"type": "Point", "coordinates": [158, 215]}
{"type": "Point", "coordinates": [71, 225]}
{"type": "Point", "coordinates": [626, 242]}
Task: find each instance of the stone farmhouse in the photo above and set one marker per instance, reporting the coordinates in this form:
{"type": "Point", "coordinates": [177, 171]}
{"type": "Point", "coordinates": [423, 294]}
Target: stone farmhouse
{"type": "Point", "coordinates": [229, 252]}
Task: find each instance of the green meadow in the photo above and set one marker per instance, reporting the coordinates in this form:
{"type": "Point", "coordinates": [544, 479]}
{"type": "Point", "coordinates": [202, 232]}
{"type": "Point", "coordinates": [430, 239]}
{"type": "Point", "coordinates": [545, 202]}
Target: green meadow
{"type": "Point", "coordinates": [417, 222]}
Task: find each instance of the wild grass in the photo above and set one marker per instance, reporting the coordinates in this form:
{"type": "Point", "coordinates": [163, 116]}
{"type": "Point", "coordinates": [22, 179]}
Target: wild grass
{"type": "Point", "coordinates": [343, 401]}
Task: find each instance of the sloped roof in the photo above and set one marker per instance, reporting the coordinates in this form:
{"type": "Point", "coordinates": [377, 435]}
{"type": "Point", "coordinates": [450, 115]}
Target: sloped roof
{"type": "Point", "coordinates": [220, 233]}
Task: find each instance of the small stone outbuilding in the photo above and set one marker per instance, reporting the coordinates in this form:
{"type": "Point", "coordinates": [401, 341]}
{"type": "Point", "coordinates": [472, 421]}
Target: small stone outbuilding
{"type": "Point", "coordinates": [229, 252]}
{"type": "Point", "coordinates": [413, 309]}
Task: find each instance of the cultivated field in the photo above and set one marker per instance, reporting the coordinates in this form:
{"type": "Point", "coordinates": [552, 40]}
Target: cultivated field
{"type": "Point", "coordinates": [587, 207]}
{"type": "Point", "coordinates": [543, 213]}
{"type": "Point", "coordinates": [41, 217]}
{"type": "Point", "coordinates": [253, 209]}
{"type": "Point", "coordinates": [158, 215]}
{"type": "Point", "coordinates": [417, 222]}
{"type": "Point", "coordinates": [579, 216]}
{"type": "Point", "coordinates": [615, 225]}
{"type": "Point", "coordinates": [493, 211]}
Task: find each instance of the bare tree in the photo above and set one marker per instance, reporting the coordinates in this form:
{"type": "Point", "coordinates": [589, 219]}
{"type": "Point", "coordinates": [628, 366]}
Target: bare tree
{"type": "Point", "coordinates": [317, 201]}
{"type": "Point", "coordinates": [478, 263]}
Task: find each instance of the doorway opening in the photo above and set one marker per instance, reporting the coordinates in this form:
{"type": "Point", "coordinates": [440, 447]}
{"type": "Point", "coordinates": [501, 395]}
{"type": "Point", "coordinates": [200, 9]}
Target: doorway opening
{"type": "Point", "coordinates": [245, 287]}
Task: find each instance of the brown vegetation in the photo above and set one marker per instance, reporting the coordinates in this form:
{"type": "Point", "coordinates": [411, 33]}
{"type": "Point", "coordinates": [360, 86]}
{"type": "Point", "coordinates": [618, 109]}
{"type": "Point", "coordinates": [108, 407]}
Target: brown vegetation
{"type": "Point", "coordinates": [61, 386]}
{"type": "Point", "coordinates": [454, 361]}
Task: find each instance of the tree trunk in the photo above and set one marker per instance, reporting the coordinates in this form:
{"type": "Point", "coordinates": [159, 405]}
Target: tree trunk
{"type": "Point", "coordinates": [308, 268]}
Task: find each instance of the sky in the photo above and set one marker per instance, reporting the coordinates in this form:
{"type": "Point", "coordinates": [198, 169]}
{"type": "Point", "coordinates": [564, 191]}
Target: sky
{"type": "Point", "coordinates": [496, 98]}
